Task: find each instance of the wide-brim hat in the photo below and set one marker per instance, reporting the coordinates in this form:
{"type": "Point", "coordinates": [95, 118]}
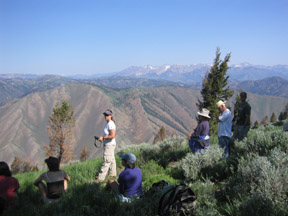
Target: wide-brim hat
{"type": "Point", "coordinates": [204, 112]}
{"type": "Point", "coordinates": [52, 160]}
{"type": "Point", "coordinates": [129, 157]}
{"type": "Point", "coordinates": [220, 103]}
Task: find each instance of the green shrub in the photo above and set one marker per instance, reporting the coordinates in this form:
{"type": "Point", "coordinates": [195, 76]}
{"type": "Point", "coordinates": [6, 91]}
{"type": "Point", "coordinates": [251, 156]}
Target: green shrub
{"type": "Point", "coordinates": [171, 149]}
{"type": "Point", "coordinates": [154, 173]}
{"type": "Point", "coordinates": [206, 204]}
{"type": "Point", "coordinates": [256, 205]}
{"type": "Point", "coordinates": [197, 165]}
{"type": "Point", "coordinates": [261, 180]}
{"type": "Point", "coordinates": [261, 142]}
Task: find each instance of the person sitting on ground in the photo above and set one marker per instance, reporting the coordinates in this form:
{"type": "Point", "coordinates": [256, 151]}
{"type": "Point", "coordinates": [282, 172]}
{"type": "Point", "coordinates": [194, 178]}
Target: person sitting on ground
{"type": "Point", "coordinates": [8, 188]}
{"type": "Point", "coordinates": [55, 179]}
{"type": "Point", "coordinates": [130, 180]}
{"type": "Point", "coordinates": [200, 139]}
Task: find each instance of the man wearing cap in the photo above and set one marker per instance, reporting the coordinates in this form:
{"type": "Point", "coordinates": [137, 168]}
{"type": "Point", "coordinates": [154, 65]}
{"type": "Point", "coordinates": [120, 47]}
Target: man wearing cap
{"type": "Point", "coordinates": [224, 126]}
{"type": "Point", "coordinates": [243, 118]}
{"type": "Point", "coordinates": [109, 144]}
{"type": "Point", "coordinates": [200, 139]}
{"type": "Point", "coordinates": [130, 180]}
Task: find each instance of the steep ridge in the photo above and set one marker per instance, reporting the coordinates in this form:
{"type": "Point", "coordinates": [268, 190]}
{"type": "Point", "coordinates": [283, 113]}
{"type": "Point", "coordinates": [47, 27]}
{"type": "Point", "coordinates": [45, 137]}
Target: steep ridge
{"type": "Point", "coordinates": [268, 86]}
{"type": "Point", "coordinates": [12, 88]}
{"type": "Point", "coordinates": [23, 123]}
{"type": "Point", "coordinates": [139, 113]}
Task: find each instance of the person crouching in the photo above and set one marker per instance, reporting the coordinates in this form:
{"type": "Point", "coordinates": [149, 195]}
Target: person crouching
{"type": "Point", "coordinates": [200, 140]}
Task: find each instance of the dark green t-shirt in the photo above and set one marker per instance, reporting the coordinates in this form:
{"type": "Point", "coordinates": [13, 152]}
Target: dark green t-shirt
{"type": "Point", "coordinates": [244, 109]}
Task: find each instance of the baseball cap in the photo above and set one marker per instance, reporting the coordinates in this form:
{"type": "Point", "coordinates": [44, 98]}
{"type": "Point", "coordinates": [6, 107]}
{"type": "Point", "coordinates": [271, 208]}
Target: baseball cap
{"type": "Point", "coordinates": [129, 157]}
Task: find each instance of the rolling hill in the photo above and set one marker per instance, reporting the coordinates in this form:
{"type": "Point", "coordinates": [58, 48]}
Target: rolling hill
{"type": "Point", "coordinates": [139, 113]}
{"type": "Point", "coordinates": [268, 86]}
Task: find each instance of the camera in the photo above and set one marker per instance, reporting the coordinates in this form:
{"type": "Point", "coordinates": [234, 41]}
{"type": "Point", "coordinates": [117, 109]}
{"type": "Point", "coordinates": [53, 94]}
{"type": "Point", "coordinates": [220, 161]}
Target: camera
{"type": "Point", "coordinates": [96, 137]}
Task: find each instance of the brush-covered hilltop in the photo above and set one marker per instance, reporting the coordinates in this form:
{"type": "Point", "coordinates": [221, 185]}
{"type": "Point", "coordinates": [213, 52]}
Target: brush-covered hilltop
{"type": "Point", "coordinates": [139, 113]}
{"type": "Point", "coordinates": [252, 181]}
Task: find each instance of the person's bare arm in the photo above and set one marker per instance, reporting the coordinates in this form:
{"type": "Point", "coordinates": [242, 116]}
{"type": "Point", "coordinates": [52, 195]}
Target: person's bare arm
{"type": "Point", "coordinates": [110, 136]}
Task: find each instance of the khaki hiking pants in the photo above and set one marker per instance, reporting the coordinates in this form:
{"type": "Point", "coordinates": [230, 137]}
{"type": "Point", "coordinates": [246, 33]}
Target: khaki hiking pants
{"type": "Point", "coordinates": [109, 163]}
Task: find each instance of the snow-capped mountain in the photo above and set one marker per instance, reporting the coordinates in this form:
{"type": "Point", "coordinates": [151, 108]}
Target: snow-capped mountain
{"type": "Point", "coordinates": [195, 73]}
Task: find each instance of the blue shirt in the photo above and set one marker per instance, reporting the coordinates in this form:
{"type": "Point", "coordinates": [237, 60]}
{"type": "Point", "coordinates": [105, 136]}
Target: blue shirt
{"type": "Point", "coordinates": [202, 129]}
{"type": "Point", "coordinates": [130, 182]}
{"type": "Point", "coordinates": [225, 126]}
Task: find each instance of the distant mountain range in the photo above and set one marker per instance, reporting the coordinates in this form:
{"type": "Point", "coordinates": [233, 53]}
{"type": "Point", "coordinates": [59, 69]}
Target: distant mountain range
{"type": "Point", "coordinates": [195, 73]}
{"type": "Point", "coordinates": [139, 113]}
{"type": "Point", "coordinates": [17, 86]}
{"type": "Point", "coordinates": [182, 73]}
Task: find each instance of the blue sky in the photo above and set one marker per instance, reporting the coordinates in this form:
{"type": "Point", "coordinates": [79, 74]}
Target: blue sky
{"type": "Point", "coordinates": [91, 36]}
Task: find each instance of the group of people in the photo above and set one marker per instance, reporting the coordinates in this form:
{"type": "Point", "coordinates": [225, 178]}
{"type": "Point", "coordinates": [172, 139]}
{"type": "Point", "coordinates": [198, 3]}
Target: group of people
{"type": "Point", "coordinates": [199, 140]}
{"type": "Point", "coordinates": [130, 180]}
{"type": "Point", "coordinates": [51, 184]}
{"type": "Point", "coordinates": [54, 182]}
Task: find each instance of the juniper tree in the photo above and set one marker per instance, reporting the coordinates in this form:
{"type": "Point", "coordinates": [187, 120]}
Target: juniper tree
{"type": "Point", "coordinates": [265, 120]}
{"type": "Point", "coordinates": [161, 135]}
{"type": "Point", "coordinates": [84, 154]}
{"type": "Point", "coordinates": [21, 166]}
{"type": "Point", "coordinates": [273, 117]}
{"type": "Point", "coordinates": [283, 115]}
{"type": "Point", "coordinates": [256, 124]}
{"type": "Point", "coordinates": [214, 88]}
{"type": "Point", "coordinates": [60, 128]}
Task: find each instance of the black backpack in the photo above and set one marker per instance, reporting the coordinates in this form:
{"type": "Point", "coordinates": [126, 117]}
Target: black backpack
{"type": "Point", "coordinates": [179, 200]}
{"type": "Point", "coordinates": [158, 187]}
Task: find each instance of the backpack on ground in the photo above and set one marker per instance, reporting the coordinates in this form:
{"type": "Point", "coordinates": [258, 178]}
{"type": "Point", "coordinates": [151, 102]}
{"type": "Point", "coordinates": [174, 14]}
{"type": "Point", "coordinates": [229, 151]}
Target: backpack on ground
{"type": "Point", "coordinates": [179, 200]}
{"type": "Point", "coordinates": [158, 187]}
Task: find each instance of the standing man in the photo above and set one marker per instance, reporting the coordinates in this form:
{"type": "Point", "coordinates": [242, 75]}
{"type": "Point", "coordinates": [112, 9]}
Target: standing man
{"type": "Point", "coordinates": [224, 126]}
{"type": "Point", "coordinates": [243, 118]}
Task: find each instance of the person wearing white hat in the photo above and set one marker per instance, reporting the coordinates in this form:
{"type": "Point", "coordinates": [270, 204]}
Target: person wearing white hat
{"type": "Point", "coordinates": [200, 140]}
{"type": "Point", "coordinates": [224, 126]}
